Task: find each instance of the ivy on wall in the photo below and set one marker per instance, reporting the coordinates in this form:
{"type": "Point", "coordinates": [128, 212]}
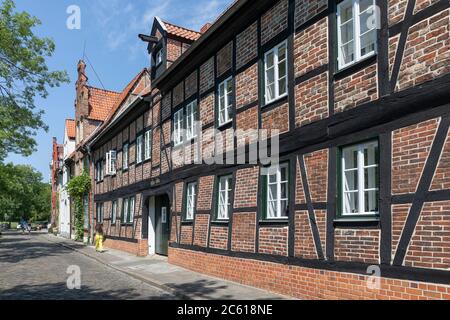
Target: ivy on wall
{"type": "Point", "coordinates": [77, 188]}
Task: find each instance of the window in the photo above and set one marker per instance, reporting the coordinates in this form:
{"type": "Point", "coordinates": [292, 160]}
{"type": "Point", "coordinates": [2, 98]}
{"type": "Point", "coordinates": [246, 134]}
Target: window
{"type": "Point", "coordinates": [114, 212]}
{"type": "Point", "coordinates": [125, 156]}
{"type": "Point", "coordinates": [191, 118]}
{"type": "Point", "coordinates": [178, 127]}
{"type": "Point", "coordinates": [356, 31]}
{"type": "Point", "coordinates": [125, 210]}
{"type": "Point", "coordinates": [128, 210]}
{"type": "Point", "coordinates": [99, 212]}
{"type": "Point", "coordinates": [360, 179]}
{"type": "Point", "coordinates": [148, 145]}
{"type": "Point", "coordinates": [275, 67]}
{"type": "Point", "coordinates": [139, 149]}
{"type": "Point", "coordinates": [277, 192]}
{"type": "Point", "coordinates": [224, 201]}
{"type": "Point", "coordinates": [159, 56]}
{"type": "Point", "coordinates": [190, 200]}
{"type": "Point", "coordinates": [99, 173]}
{"type": "Point", "coordinates": [225, 102]}
{"type": "Point", "coordinates": [111, 159]}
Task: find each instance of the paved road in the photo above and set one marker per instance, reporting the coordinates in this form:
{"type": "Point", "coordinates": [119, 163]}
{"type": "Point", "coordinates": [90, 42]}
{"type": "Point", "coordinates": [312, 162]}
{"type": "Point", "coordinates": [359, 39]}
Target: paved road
{"type": "Point", "coordinates": [31, 267]}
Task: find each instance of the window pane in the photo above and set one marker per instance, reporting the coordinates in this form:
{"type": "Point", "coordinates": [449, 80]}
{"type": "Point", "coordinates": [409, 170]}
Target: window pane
{"type": "Point", "coordinates": [272, 192]}
{"type": "Point", "coordinates": [347, 53]}
{"type": "Point", "coordinates": [351, 180]}
{"type": "Point", "coordinates": [371, 201]}
{"type": "Point", "coordinates": [350, 202]}
{"type": "Point", "coordinates": [284, 205]}
{"type": "Point", "coordinates": [271, 209]}
{"type": "Point", "coordinates": [366, 21]}
{"type": "Point", "coordinates": [364, 5]}
{"type": "Point", "coordinates": [350, 158]}
{"type": "Point", "coordinates": [282, 52]}
{"type": "Point", "coordinates": [368, 43]}
{"type": "Point", "coordinates": [284, 190]}
{"type": "Point", "coordinates": [371, 155]}
{"type": "Point", "coordinates": [282, 87]}
{"type": "Point", "coordinates": [270, 60]}
{"type": "Point", "coordinates": [371, 178]}
{"type": "Point", "coordinates": [346, 32]}
{"type": "Point", "coordinates": [346, 12]}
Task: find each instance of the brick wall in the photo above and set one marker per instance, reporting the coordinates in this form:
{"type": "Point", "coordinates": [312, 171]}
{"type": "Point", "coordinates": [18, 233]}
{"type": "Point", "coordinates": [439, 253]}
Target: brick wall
{"type": "Point", "coordinates": [306, 9]}
{"type": "Point", "coordinates": [357, 245]}
{"type": "Point", "coordinates": [442, 176]}
{"type": "Point", "coordinates": [410, 149]}
{"type": "Point", "coordinates": [224, 59]}
{"type": "Point", "coordinates": [304, 283]}
{"type": "Point", "coordinates": [274, 21]}
{"type": "Point", "coordinates": [219, 237]}
{"type": "Point", "coordinates": [304, 246]}
{"type": "Point", "coordinates": [201, 230]}
{"type": "Point", "coordinates": [139, 249]}
{"type": "Point", "coordinates": [247, 45]}
{"type": "Point", "coordinates": [244, 232]}
{"type": "Point", "coordinates": [247, 86]}
{"type": "Point", "coordinates": [246, 193]}
{"type": "Point", "coordinates": [273, 241]}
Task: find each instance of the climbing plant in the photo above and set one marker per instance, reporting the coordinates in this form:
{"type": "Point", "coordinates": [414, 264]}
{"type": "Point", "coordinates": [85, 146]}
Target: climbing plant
{"type": "Point", "coordinates": [77, 188]}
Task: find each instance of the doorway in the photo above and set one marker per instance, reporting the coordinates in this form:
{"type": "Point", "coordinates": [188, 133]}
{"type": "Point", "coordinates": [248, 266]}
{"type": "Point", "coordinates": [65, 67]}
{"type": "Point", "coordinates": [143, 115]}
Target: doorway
{"type": "Point", "coordinates": [159, 225]}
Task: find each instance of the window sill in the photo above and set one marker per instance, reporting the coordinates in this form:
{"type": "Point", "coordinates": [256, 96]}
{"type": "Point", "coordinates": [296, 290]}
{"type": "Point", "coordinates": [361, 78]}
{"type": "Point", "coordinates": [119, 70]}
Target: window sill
{"type": "Point", "coordinates": [127, 224]}
{"type": "Point", "coordinates": [354, 67]}
{"type": "Point", "coordinates": [363, 222]}
{"type": "Point", "coordinates": [220, 222]}
{"type": "Point", "coordinates": [274, 222]}
{"type": "Point", "coordinates": [187, 222]}
{"type": "Point", "coordinates": [225, 126]}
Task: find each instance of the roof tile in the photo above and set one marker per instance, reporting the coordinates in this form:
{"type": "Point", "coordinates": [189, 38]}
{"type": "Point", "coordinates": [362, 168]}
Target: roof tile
{"type": "Point", "coordinates": [70, 128]}
{"type": "Point", "coordinates": [182, 32]}
{"type": "Point", "coordinates": [100, 102]}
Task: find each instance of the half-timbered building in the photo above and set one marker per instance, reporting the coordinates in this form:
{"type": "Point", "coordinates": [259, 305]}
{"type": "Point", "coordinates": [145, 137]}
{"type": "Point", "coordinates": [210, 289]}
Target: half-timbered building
{"type": "Point", "coordinates": [357, 92]}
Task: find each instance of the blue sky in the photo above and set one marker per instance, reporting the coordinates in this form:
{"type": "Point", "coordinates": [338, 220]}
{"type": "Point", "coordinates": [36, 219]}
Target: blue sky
{"type": "Point", "coordinates": [109, 30]}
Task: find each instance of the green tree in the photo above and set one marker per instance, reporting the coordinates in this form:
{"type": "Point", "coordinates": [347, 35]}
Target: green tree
{"type": "Point", "coordinates": [22, 192]}
{"type": "Point", "coordinates": [24, 74]}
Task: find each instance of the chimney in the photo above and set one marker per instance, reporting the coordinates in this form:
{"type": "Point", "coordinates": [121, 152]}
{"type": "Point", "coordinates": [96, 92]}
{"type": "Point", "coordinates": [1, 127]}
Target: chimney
{"type": "Point", "coordinates": [205, 27]}
{"type": "Point", "coordinates": [82, 78]}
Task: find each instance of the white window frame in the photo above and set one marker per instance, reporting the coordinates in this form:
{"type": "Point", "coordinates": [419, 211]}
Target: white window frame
{"type": "Point", "coordinates": [361, 180]}
{"type": "Point", "coordinates": [223, 93]}
{"type": "Point", "coordinates": [178, 127]}
{"type": "Point", "coordinates": [125, 210]}
{"type": "Point", "coordinates": [148, 145]}
{"type": "Point", "coordinates": [111, 161]}
{"type": "Point", "coordinates": [191, 190]}
{"type": "Point", "coordinates": [131, 212]}
{"type": "Point", "coordinates": [139, 149]}
{"type": "Point", "coordinates": [114, 212]}
{"type": "Point", "coordinates": [276, 62]}
{"type": "Point", "coordinates": [191, 119]}
{"type": "Point", "coordinates": [125, 156]}
{"type": "Point", "coordinates": [277, 171]}
{"type": "Point", "coordinates": [356, 33]}
{"type": "Point", "coordinates": [223, 209]}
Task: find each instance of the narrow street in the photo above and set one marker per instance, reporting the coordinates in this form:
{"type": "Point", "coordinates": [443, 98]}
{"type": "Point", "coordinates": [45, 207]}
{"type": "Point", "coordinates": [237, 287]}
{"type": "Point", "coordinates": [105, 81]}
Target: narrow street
{"type": "Point", "coordinates": [33, 268]}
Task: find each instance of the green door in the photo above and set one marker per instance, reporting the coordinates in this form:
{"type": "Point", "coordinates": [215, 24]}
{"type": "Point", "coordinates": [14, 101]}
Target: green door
{"type": "Point", "coordinates": [162, 217]}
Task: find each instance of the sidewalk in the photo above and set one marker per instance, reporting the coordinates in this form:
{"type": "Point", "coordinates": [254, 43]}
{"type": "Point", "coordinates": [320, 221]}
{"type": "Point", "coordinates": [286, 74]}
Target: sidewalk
{"type": "Point", "coordinates": [181, 282]}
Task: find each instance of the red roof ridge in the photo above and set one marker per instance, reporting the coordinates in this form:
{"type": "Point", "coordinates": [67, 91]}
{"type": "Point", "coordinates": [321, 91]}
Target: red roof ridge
{"type": "Point", "coordinates": [178, 26]}
{"type": "Point", "coordinates": [100, 89]}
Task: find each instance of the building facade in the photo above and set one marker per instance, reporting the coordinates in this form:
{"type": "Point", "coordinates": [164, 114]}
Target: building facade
{"type": "Point", "coordinates": [65, 216]}
{"type": "Point", "coordinates": [355, 91]}
{"type": "Point", "coordinates": [55, 180]}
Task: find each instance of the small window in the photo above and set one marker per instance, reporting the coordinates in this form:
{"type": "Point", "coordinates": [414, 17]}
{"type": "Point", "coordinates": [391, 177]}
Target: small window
{"type": "Point", "coordinates": [99, 173]}
{"type": "Point", "coordinates": [178, 127]}
{"type": "Point", "coordinates": [360, 180]}
{"type": "Point", "coordinates": [159, 56]}
{"type": "Point", "coordinates": [125, 210]}
{"type": "Point", "coordinates": [148, 145]}
{"type": "Point", "coordinates": [356, 31]}
{"type": "Point", "coordinates": [191, 119]}
{"type": "Point", "coordinates": [225, 112]}
{"type": "Point", "coordinates": [224, 194]}
{"type": "Point", "coordinates": [131, 210]}
{"type": "Point", "coordinates": [111, 160]}
{"type": "Point", "coordinates": [275, 67]}
{"type": "Point", "coordinates": [277, 192]}
{"type": "Point", "coordinates": [139, 150]}
{"type": "Point", "coordinates": [99, 212]}
{"type": "Point", "coordinates": [190, 201]}
{"type": "Point", "coordinates": [125, 156]}
{"type": "Point", "coordinates": [114, 212]}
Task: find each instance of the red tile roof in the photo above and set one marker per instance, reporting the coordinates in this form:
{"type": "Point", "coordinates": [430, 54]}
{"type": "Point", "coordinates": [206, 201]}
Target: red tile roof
{"type": "Point", "coordinates": [70, 128]}
{"type": "Point", "coordinates": [100, 103]}
{"type": "Point", "coordinates": [119, 102]}
{"type": "Point", "coordinates": [182, 32]}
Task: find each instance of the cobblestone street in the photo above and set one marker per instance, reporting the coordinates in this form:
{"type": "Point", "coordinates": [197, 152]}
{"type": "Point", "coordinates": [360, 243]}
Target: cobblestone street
{"type": "Point", "coordinates": [31, 267]}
